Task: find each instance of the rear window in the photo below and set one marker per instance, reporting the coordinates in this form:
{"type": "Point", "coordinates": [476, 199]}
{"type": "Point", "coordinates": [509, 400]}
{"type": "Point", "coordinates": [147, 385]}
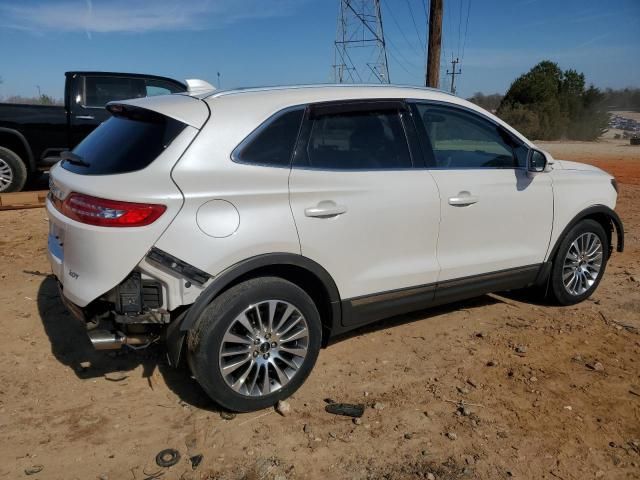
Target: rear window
{"type": "Point", "coordinates": [128, 141]}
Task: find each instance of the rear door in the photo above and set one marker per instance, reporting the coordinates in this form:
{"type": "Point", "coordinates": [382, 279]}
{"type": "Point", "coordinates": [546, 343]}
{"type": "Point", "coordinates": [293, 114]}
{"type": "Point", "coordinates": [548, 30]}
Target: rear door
{"type": "Point", "coordinates": [495, 216]}
{"type": "Point", "coordinates": [362, 210]}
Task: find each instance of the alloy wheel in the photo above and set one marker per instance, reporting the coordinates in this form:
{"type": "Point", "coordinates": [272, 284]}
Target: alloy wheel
{"type": "Point", "coordinates": [263, 348]}
{"type": "Point", "coordinates": [582, 264]}
{"type": "Point", "coordinates": [6, 175]}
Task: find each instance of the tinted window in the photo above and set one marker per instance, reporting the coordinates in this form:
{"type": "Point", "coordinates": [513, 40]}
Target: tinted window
{"type": "Point", "coordinates": [125, 143]}
{"type": "Point", "coordinates": [272, 144]}
{"type": "Point", "coordinates": [362, 140]}
{"type": "Point", "coordinates": [98, 91]}
{"type": "Point", "coordinates": [160, 87]}
{"type": "Point", "coordinates": [465, 140]}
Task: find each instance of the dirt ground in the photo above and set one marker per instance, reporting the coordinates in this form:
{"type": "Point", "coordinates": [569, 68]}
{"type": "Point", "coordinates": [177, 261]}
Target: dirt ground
{"type": "Point", "coordinates": [549, 392]}
{"type": "Point", "coordinates": [617, 157]}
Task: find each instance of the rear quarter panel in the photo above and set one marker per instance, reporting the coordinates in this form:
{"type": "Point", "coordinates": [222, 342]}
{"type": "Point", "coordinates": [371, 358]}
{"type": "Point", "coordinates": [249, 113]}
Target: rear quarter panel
{"type": "Point", "coordinates": [259, 194]}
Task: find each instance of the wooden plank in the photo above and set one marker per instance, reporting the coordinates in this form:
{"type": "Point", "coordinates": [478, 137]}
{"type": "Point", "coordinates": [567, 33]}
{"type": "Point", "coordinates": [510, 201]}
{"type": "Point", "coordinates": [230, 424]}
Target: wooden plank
{"type": "Point", "coordinates": [20, 200]}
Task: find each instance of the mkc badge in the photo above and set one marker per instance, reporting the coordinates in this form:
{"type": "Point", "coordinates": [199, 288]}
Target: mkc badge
{"type": "Point", "coordinates": [55, 190]}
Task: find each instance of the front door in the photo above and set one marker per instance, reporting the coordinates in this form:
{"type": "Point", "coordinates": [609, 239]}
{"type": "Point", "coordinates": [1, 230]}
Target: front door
{"type": "Point", "coordinates": [362, 210]}
{"type": "Point", "coordinates": [495, 217]}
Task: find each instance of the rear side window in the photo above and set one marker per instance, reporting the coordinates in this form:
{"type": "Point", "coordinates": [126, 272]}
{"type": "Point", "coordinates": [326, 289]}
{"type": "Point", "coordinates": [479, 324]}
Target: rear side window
{"type": "Point", "coordinates": [358, 140]}
{"type": "Point", "coordinates": [273, 142]}
{"type": "Point", "coordinates": [127, 142]}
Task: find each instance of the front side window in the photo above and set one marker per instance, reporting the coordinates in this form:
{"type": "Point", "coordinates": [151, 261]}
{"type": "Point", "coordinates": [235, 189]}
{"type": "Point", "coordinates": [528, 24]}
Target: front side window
{"type": "Point", "coordinates": [459, 139]}
{"type": "Point", "coordinates": [272, 144]}
{"type": "Point", "coordinates": [358, 140]}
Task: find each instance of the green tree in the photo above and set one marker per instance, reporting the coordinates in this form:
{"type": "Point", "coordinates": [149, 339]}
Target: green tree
{"type": "Point", "coordinates": [46, 100]}
{"type": "Point", "coordinates": [548, 103]}
{"type": "Point", "coordinates": [625, 99]}
{"type": "Point", "coordinates": [488, 102]}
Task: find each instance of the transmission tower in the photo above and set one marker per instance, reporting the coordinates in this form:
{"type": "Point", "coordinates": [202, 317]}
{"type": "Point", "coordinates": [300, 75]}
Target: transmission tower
{"type": "Point", "coordinates": [360, 49]}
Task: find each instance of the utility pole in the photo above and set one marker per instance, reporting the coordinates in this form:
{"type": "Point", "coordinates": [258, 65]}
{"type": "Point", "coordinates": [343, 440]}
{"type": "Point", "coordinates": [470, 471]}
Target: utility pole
{"type": "Point", "coordinates": [360, 48]}
{"type": "Point", "coordinates": [453, 73]}
{"type": "Point", "coordinates": [435, 43]}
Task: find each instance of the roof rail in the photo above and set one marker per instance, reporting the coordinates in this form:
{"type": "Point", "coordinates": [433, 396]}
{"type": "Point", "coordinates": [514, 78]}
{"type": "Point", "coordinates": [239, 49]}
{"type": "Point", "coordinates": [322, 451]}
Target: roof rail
{"type": "Point", "coordinates": [195, 85]}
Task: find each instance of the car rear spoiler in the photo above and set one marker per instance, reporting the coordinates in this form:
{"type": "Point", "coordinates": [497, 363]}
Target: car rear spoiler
{"type": "Point", "coordinates": [184, 108]}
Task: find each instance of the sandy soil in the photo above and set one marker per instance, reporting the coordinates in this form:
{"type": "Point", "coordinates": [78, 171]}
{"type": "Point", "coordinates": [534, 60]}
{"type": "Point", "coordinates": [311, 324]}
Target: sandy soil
{"type": "Point", "coordinates": [551, 393]}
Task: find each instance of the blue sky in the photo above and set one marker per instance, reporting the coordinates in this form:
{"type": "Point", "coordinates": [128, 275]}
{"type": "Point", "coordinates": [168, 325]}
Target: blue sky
{"type": "Point", "coordinates": [266, 42]}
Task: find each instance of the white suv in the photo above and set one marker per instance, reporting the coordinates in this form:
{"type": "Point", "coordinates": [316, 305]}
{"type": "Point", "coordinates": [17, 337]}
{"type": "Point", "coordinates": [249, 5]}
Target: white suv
{"type": "Point", "coordinates": [245, 228]}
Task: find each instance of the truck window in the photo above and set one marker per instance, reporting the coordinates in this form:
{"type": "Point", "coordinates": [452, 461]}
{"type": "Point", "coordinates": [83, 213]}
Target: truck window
{"type": "Point", "coordinates": [161, 87]}
{"type": "Point", "coordinates": [98, 91]}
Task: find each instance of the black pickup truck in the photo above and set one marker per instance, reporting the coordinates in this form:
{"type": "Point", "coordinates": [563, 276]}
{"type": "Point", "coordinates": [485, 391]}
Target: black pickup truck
{"type": "Point", "coordinates": [33, 136]}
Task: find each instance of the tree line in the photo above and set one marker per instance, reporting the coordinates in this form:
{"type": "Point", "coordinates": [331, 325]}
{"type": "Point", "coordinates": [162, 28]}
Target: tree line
{"type": "Point", "coordinates": [548, 103]}
{"type": "Point", "coordinates": [43, 99]}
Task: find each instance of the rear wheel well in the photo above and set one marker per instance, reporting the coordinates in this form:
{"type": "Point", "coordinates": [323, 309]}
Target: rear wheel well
{"type": "Point", "coordinates": [303, 278]}
{"type": "Point", "coordinates": [16, 145]}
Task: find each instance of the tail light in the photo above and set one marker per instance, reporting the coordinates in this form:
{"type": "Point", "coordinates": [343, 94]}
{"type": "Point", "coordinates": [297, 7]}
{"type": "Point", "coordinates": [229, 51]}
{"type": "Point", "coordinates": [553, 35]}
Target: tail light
{"type": "Point", "coordinates": [614, 184]}
{"type": "Point", "coordinates": [109, 213]}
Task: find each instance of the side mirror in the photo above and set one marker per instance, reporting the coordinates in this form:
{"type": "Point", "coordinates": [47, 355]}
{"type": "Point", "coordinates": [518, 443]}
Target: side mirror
{"type": "Point", "coordinates": [537, 161]}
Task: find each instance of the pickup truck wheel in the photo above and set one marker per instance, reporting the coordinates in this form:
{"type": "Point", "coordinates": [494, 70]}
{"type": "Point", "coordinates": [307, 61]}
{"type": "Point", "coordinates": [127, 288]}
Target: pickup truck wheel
{"type": "Point", "coordinates": [255, 344]}
{"type": "Point", "coordinates": [580, 263]}
{"type": "Point", "coordinates": [13, 171]}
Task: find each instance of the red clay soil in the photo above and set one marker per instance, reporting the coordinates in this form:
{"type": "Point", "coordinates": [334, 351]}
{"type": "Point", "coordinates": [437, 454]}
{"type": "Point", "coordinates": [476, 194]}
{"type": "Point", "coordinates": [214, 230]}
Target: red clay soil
{"type": "Point", "coordinates": [499, 387]}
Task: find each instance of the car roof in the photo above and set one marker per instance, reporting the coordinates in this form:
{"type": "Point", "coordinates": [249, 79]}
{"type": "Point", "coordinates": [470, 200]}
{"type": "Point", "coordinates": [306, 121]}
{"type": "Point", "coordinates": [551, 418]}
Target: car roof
{"type": "Point", "coordinates": [262, 102]}
{"type": "Point", "coordinates": [318, 92]}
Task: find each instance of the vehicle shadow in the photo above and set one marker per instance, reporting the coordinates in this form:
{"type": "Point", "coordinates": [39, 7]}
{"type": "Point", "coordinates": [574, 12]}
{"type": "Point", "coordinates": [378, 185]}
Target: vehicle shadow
{"type": "Point", "coordinates": [72, 348]}
{"type": "Point", "coordinates": [425, 314]}
{"type": "Point", "coordinates": [532, 296]}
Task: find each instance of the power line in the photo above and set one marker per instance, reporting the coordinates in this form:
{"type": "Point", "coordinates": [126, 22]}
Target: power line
{"type": "Point", "coordinates": [426, 10]}
{"type": "Point", "coordinates": [400, 64]}
{"type": "Point", "coordinates": [401, 30]}
{"type": "Point", "coordinates": [400, 54]}
{"type": "Point", "coordinates": [459, 25]}
{"type": "Point", "coordinates": [466, 27]}
{"type": "Point", "coordinates": [426, 35]}
{"type": "Point", "coordinates": [415, 26]}
{"type": "Point", "coordinates": [450, 22]}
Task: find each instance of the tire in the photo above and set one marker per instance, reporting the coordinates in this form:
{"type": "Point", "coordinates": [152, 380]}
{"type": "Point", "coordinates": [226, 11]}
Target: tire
{"type": "Point", "coordinates": [234, 315]}
{"type": "Point", "coordinates": [13, 171]}
{"type": "Point", "coordinates": [575, 288]}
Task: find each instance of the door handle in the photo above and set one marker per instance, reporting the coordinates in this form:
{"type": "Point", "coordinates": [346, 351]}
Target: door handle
{"type": "Point", "coordinates": [463, 199]}
{"type": "Point", "coordinates": [85, 117]}
{"type": "Point", "coordinates": [325, 209]}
